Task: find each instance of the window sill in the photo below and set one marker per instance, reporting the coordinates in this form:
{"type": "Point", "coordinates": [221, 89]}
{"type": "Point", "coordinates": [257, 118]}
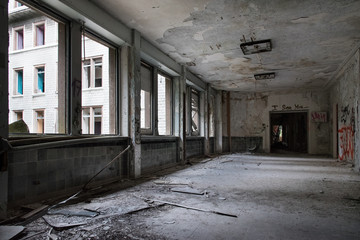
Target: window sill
{"type": "Point", "coordinates": [92, 89]}
{"type": "Point", "coordinates": [148, 139]}
{"type": "Point", "coordinates": [38, 94]}
{"type": "Point", "coordinates": [17, 96]}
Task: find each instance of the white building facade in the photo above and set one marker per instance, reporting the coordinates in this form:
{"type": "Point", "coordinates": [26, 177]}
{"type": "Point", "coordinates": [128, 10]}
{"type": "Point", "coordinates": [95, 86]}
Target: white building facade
{"type": "Point", "coordinates": [33, 75]}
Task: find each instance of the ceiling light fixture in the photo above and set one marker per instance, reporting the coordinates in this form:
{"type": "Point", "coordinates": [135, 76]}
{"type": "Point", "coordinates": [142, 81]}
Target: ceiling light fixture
{"type": "Point", "coordinates": [264, 76]}
{"type": "Point", "coordinates": [256, 46]}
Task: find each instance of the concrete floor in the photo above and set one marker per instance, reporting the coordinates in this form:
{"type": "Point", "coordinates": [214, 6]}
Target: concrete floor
{"type": "Point", "coordinates": [273, 197]}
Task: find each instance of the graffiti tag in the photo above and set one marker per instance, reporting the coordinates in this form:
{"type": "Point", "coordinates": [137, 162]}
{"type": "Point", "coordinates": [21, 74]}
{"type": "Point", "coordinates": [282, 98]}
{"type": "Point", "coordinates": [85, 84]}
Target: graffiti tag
{"type": "Point", "coordinates": [319, 116]}
{"type": "Point", "coordinates": [346, 137]}
{"type": "Point", "coordinates": [345, 112]}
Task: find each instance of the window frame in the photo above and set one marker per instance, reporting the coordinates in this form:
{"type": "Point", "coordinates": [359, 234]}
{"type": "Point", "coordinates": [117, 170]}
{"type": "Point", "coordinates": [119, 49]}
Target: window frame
{"type": "Point", "coordinates": [36, 79]}
{"type": "Point", "coordinates": [35, 33]}
{"type": "Point", "coordinates": [91, 117]}
{"type": "Point", "coordinates": [189, 117]}
{"type": "Point", "coordinates": [16, 31]}
{"type": "Point", "coordinates": [92, 67]}
{"type": "Point", "coordinates": [36, 118]}
{"type": "Point", "coordinates": [15, 91]}
{"type": "Point", "coordinates": [171, 117]}
{"type": "Point", "coordinates": [149, 131]}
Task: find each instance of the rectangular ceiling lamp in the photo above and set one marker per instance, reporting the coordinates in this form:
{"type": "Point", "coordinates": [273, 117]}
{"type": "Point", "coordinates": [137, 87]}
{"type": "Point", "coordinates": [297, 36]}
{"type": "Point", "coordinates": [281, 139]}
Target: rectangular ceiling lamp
{"type": "Point", "coordinates": [264, 76]}
{"type": "Point", "coordinates": [256, 47]}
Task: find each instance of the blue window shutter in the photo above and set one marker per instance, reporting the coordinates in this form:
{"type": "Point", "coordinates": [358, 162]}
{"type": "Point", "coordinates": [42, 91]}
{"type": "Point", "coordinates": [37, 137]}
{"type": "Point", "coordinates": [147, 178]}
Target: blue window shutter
{"type": "Point", "coordinates": [20, 82]}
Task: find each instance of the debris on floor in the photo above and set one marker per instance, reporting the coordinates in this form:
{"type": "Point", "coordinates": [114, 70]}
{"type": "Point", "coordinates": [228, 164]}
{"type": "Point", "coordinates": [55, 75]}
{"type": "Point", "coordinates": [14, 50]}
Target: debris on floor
{"type": "Point", "coordinates": [188, 190]}
{"type": "Point", "coordinates": [9, 232]}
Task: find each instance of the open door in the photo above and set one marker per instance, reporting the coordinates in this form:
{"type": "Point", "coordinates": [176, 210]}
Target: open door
{"type": "Point", "coordinates": [289, 132]}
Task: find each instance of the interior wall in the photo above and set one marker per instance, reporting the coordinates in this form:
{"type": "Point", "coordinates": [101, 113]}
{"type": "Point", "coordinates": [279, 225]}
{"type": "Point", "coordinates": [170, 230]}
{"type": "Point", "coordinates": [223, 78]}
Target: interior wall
{"type": "Point", "coordinates": [345, 95]}
{"type": "Point", "coordinates": [250, 116]}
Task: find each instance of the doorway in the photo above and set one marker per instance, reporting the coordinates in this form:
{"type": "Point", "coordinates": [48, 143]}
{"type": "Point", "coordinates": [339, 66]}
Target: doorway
{"type": "Point", "coordinates": [289, 132]}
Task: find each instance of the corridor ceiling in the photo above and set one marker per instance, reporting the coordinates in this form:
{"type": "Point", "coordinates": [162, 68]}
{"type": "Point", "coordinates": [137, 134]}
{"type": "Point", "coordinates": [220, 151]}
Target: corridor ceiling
{"type": "Point", "coordinates": [310, 38]}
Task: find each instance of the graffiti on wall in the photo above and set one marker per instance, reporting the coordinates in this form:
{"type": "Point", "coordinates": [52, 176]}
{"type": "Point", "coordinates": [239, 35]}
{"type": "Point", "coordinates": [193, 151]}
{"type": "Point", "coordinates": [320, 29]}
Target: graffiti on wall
{"type": "Point", "coordinates": [319, 117]}
{"type": "Point", "coordinates": [346, 134]}
{"type": "Point", "coordinates": [287, 107]}
{"type": "Point", "coordinates": [345, 112]}
{"type": "Point", "coordinates": [346, 137]}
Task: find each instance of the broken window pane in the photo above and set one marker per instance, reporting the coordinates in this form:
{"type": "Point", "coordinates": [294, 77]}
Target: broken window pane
{"type": "Point", "coordinates": [145, 97]}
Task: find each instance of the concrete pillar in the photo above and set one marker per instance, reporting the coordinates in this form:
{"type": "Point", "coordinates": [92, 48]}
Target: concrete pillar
{"type": "Point", "coordinates": [176, 105]}
{"type": "Point", "coordinates": [134, 64]}
{"type": "Point", "coordinates": [206, 120]}
{"type": "Point", "coordinates": [183, 109]}
{"type": "Point", "coordinates": [113, 102]}
{"type": "Point", "coordinates": [202, 113]}
{"type": "Point", "coordinates": [124, 92]}
{"type": "Point", "coordinates": [75, 79]}
{"type": "Point", "coordinates": [4, 106]}
{"type": "Point", "coordinates": [62, 83]}
{"type": "Point", "coordinates": [218, 122]}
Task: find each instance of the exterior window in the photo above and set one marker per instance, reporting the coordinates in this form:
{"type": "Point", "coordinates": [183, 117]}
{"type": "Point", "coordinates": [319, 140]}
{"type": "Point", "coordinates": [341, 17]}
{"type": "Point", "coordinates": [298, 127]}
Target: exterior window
{"type": "Point", "coordinates": [211, 116]}
{"type": "Point", "coordinates": [97, 120]}
{"type": "Point", "coordinates": [98, 85]}
{"type": "Point", "coordinates": [40, 80]}
{"type": "Point", "coordinates": [17, 4]}
{"type": "Point", "coordinates": [18, 83]}
{"type": "Point", "coordinates": [145, 97]}
{"type": "Point", "coordinates": [195, 106]}
{"type": "Point", "coordinates": [18, 115]}
{"type": "Point", "coordinates": [40, 34]}
{"type": "Point", "coordinates": [98, 72]}
{"type": "Point", "coordinates": [164, 104]}
{"type": "Point", "coordinates": [19, 39]}
{"type": "Point", "coordinates": [37, 70]}
{"type": "Point", "coordinates": [92, 73]}
{"type": "Point", "coordinates": [92, 120]}
{"type": "Point", "coordinates": [39, 121]}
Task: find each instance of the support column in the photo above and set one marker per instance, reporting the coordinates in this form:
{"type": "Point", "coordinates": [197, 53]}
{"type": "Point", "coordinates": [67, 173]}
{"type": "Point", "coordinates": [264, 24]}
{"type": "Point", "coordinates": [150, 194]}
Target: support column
{"type": "Point", "coordinates": [75, 79]}
{"type": "Point", "coordinates": [218, 122]}
{"type": "Point", "coordinates": [134, 64]}
{"type": "Point", "coordinates": [4, 107]}
{"type": "Point", "coordinates": [183, 109]}
{"type": "Point", "coordinates": [124, 92]}
{"type": "Point", "coordinates": [206, 120]}
{"type": "Point", "coordinates": [228, 118]}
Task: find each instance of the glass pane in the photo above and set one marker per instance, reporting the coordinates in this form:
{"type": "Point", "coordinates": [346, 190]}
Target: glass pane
{"type": "Point", "coordinates": [145, 97]}
{"type": "Point", "coordinates": [40, 35]}
{"type": "Point", "coordinates": [194, 112]}
{"type": "Point", "coordinates": [97, 125]}
{"type": "Point", "coordinates": [99, 71]}
{"type": "Point", "coordinates": [211, 117]}
{"type": "Point", "coordinates": [164, 105]}
{"type": "Point", "coordinates": [25, 32]}
{"type": "Point", "coordinates": [145, 119]}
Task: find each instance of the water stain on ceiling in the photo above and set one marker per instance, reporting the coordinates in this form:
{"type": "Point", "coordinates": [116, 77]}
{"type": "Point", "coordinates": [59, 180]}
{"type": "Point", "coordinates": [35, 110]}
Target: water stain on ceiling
{"type": "Point", "coordinates": [205, 35]}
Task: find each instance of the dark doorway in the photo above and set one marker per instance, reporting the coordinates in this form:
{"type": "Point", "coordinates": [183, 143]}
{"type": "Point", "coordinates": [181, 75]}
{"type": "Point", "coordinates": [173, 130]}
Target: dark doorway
{"type": "Point", "coordinates": [289, 132]}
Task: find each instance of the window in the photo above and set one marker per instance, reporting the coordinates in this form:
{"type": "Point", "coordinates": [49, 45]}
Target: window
{"type": "Point", "coordinates": [39, 114]}
{"type": "Point", "coordinates": [39, 34]}
{"type": "Point", "coordinates": [19, 39]}
{"type": "Point", "coordinates": [98, 85]}
{"type": "Point", "coordinates": [38, 69]}
{"type": "Point", "coordinates": [18, 115]}
{"type": "Point", "coordinates": [164, 104]}
{"type": "Point", "coordinates": [92, 120]}
{"type": "Point", "coordinates": [40, 79]}
{"type": "Point", "coordinates": [211, 116]}
{"type": "Point", "coordinates": [146, 97]}
{"type": "Point", "coordinates": [17, 4]}
{"type": "Point", "coordinates": [18, 83]}
{"type": "Point", "coordinates": [194, 113]}
{"type": "Point", "coordinates": [92, 73]}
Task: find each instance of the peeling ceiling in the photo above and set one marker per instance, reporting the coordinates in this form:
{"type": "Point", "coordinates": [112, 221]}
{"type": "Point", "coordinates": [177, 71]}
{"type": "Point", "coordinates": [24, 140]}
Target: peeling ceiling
{"type": "Point", "coordinates": [310, 39]}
